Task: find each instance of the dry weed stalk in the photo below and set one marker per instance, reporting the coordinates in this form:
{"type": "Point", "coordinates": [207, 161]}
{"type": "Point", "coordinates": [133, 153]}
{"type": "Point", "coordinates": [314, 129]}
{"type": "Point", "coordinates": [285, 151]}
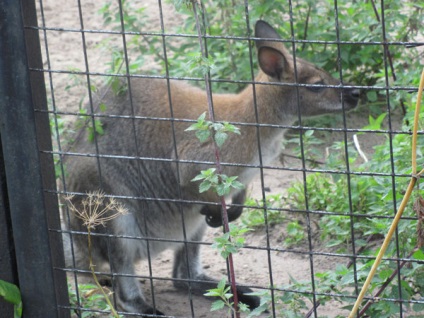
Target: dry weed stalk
{"type": "Point", "coordinates": [414, 178]}
{"type": "Point", "coordinates": [96, 209]}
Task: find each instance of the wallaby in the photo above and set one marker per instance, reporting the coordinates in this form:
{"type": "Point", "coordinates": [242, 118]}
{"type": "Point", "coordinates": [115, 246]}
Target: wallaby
{"type": "Point", "coordinates": [148, 160]}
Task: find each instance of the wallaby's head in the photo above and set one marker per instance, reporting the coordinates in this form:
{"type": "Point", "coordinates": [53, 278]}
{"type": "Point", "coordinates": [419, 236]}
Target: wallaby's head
{"type": "Point", "coordinates": [278, 66]}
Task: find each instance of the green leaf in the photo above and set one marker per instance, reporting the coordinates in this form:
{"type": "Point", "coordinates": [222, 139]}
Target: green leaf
{"type": "Point", "coordinates": [206, 174]}
{"type": "Point", "coordinates": [222, 189]}
{"type": "Point", "coordinates": [203, 135]}
{"type": "Point", "coordinates": [231, 128]}
{"type": "Point", "coordinates": [202, 117]}
{"type": "Point", "coordinates": [99, 127]}
{"type": "Point", "coordinates": [11, 294]}
{"type": "Point", "coordinates": [102, 107]}
{"type": "Point", "coordinates": [213, 293]}
{"type": "Point", "coordinates": [201, 127]}
{"type": "Point", "coordinates": [419, 255]}
{"type": "Point", "coordinates": [309, 133]}
{"type": "Point", "coordinates": [372, 96]}
{"type": "Point", "coordinates": [259, 310]}
{"type": "Point", "coordinates": [192, 127]}
{"type": "Point", "coordinates": [217, 305]}
{"type": "Point", "coordinates": [217, 127]}
{"type": "Point", "coordinates": [222, 283]}
{"type": "Point", "coordinates": [220, 138]}
{"type": "Point", "coordinates": [375, 124]}
{"type": "Point", "coordinates": [243, 307]}
{"type": "Point", "coordinates": [204, 186]}
{"type": "Point", "coordinates": [418, 307]}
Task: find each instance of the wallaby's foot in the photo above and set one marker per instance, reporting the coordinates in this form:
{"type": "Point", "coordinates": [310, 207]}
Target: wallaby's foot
{"type": "Point", "coordinates": [251, 301]}
{"type": "Point", "coordinates": [205, 283]}
{"type": "Point", "coordinates": [147, 311]}
{"type": "Point", "coordinates": [149, 314]}
{"type": "Point", "coordinates": [105, 281]}
{"type": "Point", "coordinates": [130, 298]}
{"type": "Point", "coordinates": [152, 313]}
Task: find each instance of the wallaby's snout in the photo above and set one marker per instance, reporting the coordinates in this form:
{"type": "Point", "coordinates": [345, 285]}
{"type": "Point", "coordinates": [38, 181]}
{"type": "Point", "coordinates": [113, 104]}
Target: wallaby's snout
{"type": "Point", "coordinates": [351, 97]}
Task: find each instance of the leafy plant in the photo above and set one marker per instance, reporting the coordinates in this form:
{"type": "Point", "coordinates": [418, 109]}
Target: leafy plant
{"type": "Point", "coordinates": [295, 233]}
{"type": "Point", "coordinates": [222, 291]}
{"type": "Point", "coordinates": [220, 183]}
{"type": "Point", "coordinates": [90, 298]}
{"type": "Point", "coordinates": [211, 180]}
{"type": "Point", "coordinates": [315, 21]}
{"type": "Point", "coordinates": [253, 215]}
{"type": "Point", "coordinates": [85, 122]}
{"type": "Point", "coordinates": [204, 129]}
{"type": "Point", "coordinates": [230, 242]}
{"type": "Point", "coordinates": [309, 144]}
{"type": "Point", "coordinates": [232, 239]}
{"type": "Point", "coordinates": [367, 208]}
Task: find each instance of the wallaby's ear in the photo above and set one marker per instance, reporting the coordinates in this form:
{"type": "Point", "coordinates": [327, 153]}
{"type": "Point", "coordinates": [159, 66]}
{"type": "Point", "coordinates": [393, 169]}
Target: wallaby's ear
{"type": "Point", "coordinates": [272, 62]}
{"type": "Point", "coordinates": [265, 31]}
{"type": "Point", "coordinates": [272, 55]}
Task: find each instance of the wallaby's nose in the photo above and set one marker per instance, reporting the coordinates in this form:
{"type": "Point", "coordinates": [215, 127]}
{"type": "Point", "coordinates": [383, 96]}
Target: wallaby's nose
{"type": "Point", "coordinates": [351, 95]}
{"type": "Point", "coordinates": [355, 93]}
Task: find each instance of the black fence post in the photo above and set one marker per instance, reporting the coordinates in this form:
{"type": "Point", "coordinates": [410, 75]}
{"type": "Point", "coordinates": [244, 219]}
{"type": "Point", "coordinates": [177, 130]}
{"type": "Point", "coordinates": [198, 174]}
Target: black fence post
{"type": "Point", "coordinates": [23, 133]}
{"type": "Point", "coordinates": [8, 271]}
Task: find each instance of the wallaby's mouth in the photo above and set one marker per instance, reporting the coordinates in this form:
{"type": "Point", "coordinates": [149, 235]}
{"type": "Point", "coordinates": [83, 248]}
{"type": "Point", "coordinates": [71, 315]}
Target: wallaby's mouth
{"type": "Point", "coordinates": [351, 97]}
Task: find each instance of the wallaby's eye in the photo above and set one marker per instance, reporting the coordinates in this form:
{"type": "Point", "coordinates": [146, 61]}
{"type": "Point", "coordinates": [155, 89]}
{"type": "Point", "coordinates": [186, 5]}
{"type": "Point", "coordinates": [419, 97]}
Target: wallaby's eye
{"type": "Point", "coordinates": [316, 89]}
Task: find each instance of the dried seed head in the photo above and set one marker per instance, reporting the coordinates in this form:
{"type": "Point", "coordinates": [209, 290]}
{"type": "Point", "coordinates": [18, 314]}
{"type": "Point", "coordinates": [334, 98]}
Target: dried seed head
{"type": "Point", "coordinates": [96, 209]}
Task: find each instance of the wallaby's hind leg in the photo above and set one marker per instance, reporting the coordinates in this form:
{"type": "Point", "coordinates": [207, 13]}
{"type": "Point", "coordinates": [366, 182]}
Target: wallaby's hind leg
{"type": "Point", "coordinates": [77, 257]}
{"type": "Point", "coordinates": [187, 266]}
{"type": "Point", "coordinates": [129, 293]}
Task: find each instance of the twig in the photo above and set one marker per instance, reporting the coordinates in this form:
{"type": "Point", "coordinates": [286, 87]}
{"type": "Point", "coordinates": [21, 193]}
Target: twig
{"type": "Point", "coordinates": [92, 267]}
{"type": "Point", "coordinates": [402, 205]}
{"type": "Point", "coordinates": [283, 154]}
{"type": "Point", "coordinates": [305, 30]}
{"type": "Point", "coordinates": [217, 163]}
{"type": "Point", "coordinates": [389, 55]}
{"type": "Point", "coordinates": [386, 283]}
{"type": "Point", "coordinates": [358, 148]}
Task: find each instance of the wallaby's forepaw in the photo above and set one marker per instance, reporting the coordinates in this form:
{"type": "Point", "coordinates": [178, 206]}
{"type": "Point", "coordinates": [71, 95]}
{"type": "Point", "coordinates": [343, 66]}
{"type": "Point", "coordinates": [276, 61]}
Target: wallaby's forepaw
{"type": "Point", "coordinates": [213, 213]}
{"type": "Point", "coordinates": [213, 216]}
{"type": "Point", "coordinates": [251, 301]}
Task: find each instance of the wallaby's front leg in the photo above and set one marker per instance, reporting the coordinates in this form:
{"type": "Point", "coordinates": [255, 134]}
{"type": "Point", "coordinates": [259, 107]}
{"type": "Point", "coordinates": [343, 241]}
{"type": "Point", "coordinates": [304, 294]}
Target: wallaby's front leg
{"type": "Point", "coordinates": [213, 213]}
{"type": "Point", "coordinates": [188, 273]}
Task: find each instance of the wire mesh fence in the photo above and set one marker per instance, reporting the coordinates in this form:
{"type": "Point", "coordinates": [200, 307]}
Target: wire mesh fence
{"type": "Point", "coordinates": [165, 114]}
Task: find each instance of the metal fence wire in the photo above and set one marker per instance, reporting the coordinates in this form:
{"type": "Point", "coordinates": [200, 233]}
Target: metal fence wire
{"type": "Point", "coordinates": [292, 119]}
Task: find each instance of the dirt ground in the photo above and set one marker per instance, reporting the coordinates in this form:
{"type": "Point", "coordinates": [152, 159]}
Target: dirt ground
{"type": "Point", "coordinates": [253, 265]}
